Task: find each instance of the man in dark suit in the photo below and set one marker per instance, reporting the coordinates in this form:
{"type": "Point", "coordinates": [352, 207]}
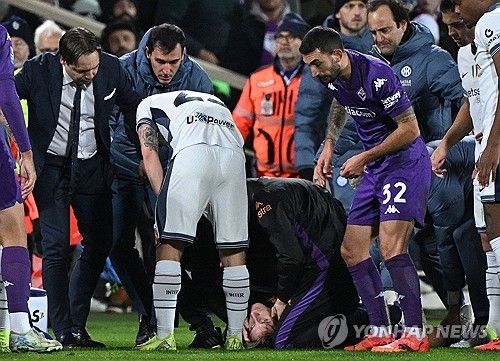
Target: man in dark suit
{"type": "Point", "coordinates": [71, 95]}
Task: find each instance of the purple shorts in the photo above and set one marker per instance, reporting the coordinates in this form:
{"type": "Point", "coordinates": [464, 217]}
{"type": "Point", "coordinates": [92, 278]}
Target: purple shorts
{"type": "Point", "coordinates": [398, 192]}
{"type": "Point", "coordinates": [10, 193]}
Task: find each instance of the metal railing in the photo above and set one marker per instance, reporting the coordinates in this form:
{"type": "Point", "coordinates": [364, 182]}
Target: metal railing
{"type": "Point", "coordinates": [70, 19]}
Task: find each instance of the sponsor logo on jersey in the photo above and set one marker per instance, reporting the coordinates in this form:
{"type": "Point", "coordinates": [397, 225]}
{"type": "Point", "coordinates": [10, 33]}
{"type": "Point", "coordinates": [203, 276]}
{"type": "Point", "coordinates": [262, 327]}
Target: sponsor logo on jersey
{"type": "Point", "coordinates": [391, 100]}
{"type": "Point", "coordinates": [331, 86]}
{"type": "Point", "coordinates": [406, 71]}
{"type": "Point", "coordinates": [203, 118]}
{"type": "Point", "coordinates": [362, 94]}
{"type": "Point", "coordinates": [488, 33]}
{"type": "Point", "coordinates": [472, 92]}
{"type": "Point", "coordinates": [262, 209]}
{"type": "Point", "coordinates": [391, 209]}
{"type": "Point", "coordinates": [406, 82]}
{"type": "Point", "coordinates": [493, 39]}
{"type": "Point", "coordinates": [360, 112]}
{"type": "Point", "coordinates": [379, 82]}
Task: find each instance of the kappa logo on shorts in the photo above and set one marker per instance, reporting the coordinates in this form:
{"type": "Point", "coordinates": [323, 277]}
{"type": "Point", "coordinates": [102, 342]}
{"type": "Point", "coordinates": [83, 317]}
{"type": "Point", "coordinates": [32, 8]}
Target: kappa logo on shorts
{"type": "Point", "coordinates": [391, 209]}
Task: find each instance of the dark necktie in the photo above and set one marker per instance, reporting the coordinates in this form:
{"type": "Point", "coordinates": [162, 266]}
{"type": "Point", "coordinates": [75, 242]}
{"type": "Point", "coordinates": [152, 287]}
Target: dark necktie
{"type": "Point", "coordinates": [74, 136]}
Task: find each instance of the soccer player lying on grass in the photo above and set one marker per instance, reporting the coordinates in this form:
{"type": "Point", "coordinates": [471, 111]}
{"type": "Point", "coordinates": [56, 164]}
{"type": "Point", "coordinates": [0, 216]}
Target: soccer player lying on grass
{"type": "Point", "coordinates": [305, 225]}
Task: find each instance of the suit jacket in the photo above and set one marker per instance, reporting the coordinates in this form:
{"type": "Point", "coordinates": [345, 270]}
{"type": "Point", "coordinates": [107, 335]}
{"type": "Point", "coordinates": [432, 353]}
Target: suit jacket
{"type": "Point", "coordinates": [40, 83]}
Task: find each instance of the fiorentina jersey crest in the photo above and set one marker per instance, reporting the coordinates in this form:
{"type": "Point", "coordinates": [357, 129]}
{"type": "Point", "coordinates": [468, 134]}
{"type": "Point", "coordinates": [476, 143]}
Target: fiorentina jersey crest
{"type": "Point", "coordinates": [362, 94]}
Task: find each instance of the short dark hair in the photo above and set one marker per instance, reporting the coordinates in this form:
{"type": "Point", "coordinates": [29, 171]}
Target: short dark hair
{"type": "Point", "coordinates": [116, 26]}
{"type": "Point", "coordinates": [447, 6]}
{"type": "Point", "coordinates": [166, 37]}
{"type": "Point", "coordinates": [77, 42]}
{"type": "Point", "coordinates": [322, 38]}
{"type": "Point", "coordinates": [399, 12]}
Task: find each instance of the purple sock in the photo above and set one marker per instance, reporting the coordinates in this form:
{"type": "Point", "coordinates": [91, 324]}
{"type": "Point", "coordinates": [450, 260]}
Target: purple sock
{"type": "Point", "coordinates": [367, 280]}
{"type": "Point", "coordinates": [16, 273]}
{"type": "Point", "coordinates": [406, 284]}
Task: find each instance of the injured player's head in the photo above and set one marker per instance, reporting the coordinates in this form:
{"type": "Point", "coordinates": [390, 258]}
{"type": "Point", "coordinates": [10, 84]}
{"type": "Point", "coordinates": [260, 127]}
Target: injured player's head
{"type": "Point", "coordinates": [259, 327]}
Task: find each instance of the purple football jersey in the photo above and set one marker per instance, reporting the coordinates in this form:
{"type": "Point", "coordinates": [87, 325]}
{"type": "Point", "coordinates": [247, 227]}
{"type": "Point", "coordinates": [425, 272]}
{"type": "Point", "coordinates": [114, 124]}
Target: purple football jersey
{"type": "Point", "coordinates": [6, 72]}
{"type": "Point", "coordinates": [6, 55]}
{"type": "Point", "coordinates": [11, 192]}
{"type": "Point", "coordinates": [373, 96]}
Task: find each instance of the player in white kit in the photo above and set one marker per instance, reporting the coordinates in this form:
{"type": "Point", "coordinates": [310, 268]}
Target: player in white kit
{"type": "Point", "coordinates": [205, 174]}
{"type": "Point", "coordinates": [479, 67]}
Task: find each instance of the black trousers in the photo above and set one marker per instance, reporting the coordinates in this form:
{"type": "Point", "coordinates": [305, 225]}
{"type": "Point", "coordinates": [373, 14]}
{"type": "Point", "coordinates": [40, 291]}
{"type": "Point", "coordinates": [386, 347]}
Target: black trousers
{"type": "Point", "coordinates": [69, 296]}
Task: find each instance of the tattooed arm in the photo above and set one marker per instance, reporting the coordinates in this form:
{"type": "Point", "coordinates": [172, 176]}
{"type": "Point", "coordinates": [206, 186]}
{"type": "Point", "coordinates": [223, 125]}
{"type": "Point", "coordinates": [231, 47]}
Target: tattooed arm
{"type": "Point", "coordinates": [336, 122]}
{"type": "Point", "coordinates": [149, 149]}
{"type": "Point", "coordinates": [406, 132]}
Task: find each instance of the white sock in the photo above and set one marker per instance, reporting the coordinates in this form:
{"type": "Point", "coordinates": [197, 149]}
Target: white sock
{"type": "Point", "coordinates": [4, 311]}
{"type": "Point", "coordinates": [20, 322]}
{"type": "Point", "coordinates": [493, 290]}
{"type": "Point", "coordinates": [236, 285]}
{"type": "Point", "coordinates": [166, 287]}
{"type": "Point", "coordinates": [495, 247]}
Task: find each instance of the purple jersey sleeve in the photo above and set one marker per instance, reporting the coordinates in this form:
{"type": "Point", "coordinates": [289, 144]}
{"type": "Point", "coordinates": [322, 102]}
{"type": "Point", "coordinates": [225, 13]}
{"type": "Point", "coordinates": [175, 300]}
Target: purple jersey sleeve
{"type": "Point", "coordinates": [9, 101]}
{"type": "Point", "coordinates": [390, 92]}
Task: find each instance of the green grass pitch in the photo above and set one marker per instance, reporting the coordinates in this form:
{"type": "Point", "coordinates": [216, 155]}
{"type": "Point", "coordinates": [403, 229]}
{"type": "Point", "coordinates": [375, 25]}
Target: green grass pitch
{"type": "Point", "coordinates": [118, 333]}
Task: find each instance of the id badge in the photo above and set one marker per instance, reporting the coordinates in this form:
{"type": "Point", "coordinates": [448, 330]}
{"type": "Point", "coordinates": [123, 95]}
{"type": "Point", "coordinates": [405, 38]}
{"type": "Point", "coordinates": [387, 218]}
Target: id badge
{"type": "Point", "coordinates": [266, 106]}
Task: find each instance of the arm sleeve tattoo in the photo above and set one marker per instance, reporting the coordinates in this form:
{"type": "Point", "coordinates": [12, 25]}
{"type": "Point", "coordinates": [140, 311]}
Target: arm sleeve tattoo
{"type": "Point", "coordinates": [148, 137]}
{"type": "Point", "coordinates": [336, 121]}
{"type": "Point", "coordinates": [405, 116]}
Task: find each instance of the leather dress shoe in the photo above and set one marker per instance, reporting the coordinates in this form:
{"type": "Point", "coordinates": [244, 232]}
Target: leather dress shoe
{"type": "Point", "coordinates": [66, 339]}
{"type": "Point", "coordinates": [82, 339]}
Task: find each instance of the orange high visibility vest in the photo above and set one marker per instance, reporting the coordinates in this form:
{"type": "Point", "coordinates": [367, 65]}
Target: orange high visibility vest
{"type": "Point", "coordinates": [266, 108]}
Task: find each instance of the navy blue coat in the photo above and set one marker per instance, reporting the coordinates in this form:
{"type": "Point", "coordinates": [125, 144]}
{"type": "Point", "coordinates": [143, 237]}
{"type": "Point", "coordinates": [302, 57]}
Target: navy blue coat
{"type": "Point", "coordinates": [190, 76]}
{"type": "Point", "coordinates": [40, 83]}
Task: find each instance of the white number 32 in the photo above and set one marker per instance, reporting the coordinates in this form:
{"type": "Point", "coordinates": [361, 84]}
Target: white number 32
{"type": "Point", "coordinates": [399, 195]}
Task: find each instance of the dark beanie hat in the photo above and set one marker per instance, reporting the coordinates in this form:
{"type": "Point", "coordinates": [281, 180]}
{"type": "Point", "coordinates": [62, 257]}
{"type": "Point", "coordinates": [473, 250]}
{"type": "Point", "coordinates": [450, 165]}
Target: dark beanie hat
{"type": "Point", "coordinates": [340, 3]}
{"type": "Point", "coordinates": [19, 28]}
{"type": "Point", "coordinates": [293, 23]}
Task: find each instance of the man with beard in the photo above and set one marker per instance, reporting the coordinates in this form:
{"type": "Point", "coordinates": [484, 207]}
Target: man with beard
{"type": "Point", "coordinates": [392, 194]}
{"type": "Point", "coordinates": [349, 18]}
{"type": "Point", "coordinates": [269, 96]}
